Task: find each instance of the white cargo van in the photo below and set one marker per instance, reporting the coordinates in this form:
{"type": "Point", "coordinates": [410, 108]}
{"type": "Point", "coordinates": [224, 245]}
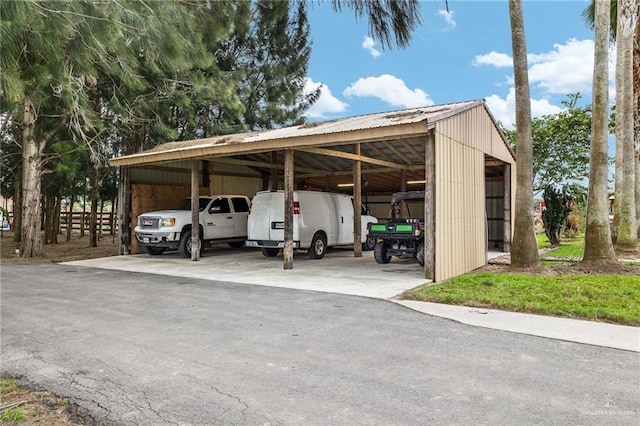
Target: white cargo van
{"type": "Point", "coordinates": [320, 220]}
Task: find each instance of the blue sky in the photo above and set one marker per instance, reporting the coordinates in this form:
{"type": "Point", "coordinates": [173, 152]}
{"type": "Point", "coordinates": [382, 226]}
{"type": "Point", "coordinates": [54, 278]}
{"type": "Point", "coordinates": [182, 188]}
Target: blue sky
{"type": "Point", "coordinates": [458, 55]}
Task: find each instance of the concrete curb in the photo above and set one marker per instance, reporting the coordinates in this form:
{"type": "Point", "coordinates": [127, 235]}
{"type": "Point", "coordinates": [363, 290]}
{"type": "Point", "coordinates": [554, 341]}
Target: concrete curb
{"type": "Point", "coordinates": [592, 333]}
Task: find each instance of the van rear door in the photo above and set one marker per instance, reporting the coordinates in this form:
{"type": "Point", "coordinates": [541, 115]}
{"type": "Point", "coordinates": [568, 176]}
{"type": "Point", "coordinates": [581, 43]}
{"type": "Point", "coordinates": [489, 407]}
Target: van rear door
{"type": "Point", "coordinates": [266, 221]}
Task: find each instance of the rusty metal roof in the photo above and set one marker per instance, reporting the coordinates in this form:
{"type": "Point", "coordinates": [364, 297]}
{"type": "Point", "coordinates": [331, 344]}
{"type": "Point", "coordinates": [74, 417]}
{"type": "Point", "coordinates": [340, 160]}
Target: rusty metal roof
{"type": "Point", "coordinates": [264, 140]}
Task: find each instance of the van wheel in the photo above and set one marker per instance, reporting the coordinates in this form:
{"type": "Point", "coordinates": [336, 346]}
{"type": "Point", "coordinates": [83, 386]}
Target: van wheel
{"type": "Point", "coordinates": [270, 252]}
{"type": "Point", "coordinates": [318, 246]}
{"type": "Point", "coordinates": [154, 251]}
{"type": "Point", "coordinates": [380, 253]}
{"type": "Point", "coordinates": [184, 246]}
{"type": "Point", "coordinates": [369, 244]}
{"type": "Point", "coordinates": [420, 254]}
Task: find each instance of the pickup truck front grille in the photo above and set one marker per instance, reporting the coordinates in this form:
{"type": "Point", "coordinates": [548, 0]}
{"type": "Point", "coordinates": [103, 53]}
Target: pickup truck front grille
{"type": "Point", "coordinates": [146, 222]}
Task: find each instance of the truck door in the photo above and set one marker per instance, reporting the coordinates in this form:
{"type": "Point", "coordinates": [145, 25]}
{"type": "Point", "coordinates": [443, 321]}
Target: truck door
{"type": "Point", "coordinates": [220, 221]}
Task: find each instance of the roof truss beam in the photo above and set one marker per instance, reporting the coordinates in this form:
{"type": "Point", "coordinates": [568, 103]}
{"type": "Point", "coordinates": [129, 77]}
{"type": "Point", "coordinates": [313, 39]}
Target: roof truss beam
{"type": "Point", "coordinates": [350, 156]}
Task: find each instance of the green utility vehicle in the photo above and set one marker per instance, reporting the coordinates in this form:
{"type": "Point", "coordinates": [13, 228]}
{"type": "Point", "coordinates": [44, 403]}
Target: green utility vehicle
{"type": "Point", "coordinates": [403, 235]}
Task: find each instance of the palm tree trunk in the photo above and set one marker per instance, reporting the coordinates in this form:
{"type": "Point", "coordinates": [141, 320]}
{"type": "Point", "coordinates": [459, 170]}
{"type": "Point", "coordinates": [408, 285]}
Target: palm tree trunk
{"type": "Point", "coordinates": [636, 110]}
{"type": "Point", "coordinates": [597, 239]}
{"type": "Point", "coordinates": [627, 235]}
{"type": "Point", "coordinates": [524, 249]}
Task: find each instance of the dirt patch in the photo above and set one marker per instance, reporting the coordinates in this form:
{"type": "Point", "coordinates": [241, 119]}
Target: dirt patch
{"type": "Point", "coordinates": [77, 248]}
{"type": "Point", "coordinates": [24, 405]}
{"type": "Point", "coordinates": [570, 267]}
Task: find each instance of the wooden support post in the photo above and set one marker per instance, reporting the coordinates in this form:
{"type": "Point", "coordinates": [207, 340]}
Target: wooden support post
{"type": "Point", "coordinates": [430, 207]}
{"type": "Point", "coordinates": [287, 252]}
{"type": "Point", "coordinates": [357, 203]}
{"type": "Point", "coordinates": [403, 188]}
{"type": "Point", "coordinates": [327, 183]}
{"type": "Point", "coordinates": [124, 212]}
{"type": "Point", "coordinates": [506, 236]}
{"type": "Point", "coordinates": [195, 210]}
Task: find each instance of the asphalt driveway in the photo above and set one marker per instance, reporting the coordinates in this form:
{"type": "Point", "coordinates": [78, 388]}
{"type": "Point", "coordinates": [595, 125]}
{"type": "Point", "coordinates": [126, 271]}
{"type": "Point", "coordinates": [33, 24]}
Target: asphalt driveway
{"type": "Point", "coordinates": [142, 349]}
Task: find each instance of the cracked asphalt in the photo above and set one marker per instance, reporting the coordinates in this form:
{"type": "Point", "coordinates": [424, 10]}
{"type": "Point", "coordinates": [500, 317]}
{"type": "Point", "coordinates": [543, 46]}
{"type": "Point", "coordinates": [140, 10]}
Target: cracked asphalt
{"type": "Point", "coordinates": [142, 349]}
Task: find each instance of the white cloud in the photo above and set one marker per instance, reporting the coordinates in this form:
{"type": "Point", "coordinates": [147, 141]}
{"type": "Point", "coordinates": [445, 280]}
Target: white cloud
{"type": "Point", "coordinates": [496, 59]}
{"type": "Point", "coordinates": [504, 110]}
{"type": "Point", "coordinates": [326, 104]}
{"type": "Point", "coordinates": [448, 18]}
{"type": "Point", "coordinates": [568, 68]}
{"type": "Point", "coordinates": [368, 44]}
{"type": "Point", "coordinates": [389, 89]}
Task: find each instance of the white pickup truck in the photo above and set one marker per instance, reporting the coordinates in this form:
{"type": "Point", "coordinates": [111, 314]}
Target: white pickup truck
{"type": "Point", "coordinates": [223, 219]}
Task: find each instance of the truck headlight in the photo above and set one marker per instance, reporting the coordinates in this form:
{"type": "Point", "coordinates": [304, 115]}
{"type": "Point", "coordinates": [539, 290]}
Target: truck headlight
{"type": "Point", "coordinates": [168, 222]}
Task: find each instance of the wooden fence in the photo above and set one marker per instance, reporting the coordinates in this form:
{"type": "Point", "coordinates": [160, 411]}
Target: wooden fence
{"type": "Point", "coordinates": [78, 220]}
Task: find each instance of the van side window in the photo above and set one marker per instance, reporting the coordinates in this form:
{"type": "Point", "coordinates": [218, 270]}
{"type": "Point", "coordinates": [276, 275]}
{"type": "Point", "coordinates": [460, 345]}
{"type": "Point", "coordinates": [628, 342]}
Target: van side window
{"type": "Point", "coordinates": [240, 205]}
{"type": "Point", "coordinates": [220, 205]}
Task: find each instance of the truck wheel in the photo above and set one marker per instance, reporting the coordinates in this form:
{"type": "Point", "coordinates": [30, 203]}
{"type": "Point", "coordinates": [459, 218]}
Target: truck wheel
{"type": "Point", "coordinates": [154, 251]}
{"type": "Point", "coordinates": [270, 252]}
{"type": "Point", "coordinates": [380, 253]}
{"type": "Point", "coordinates": [420, 254]}
{"type": "Point", "coordinates": [369, 244]}
{"type": "Point", "coordinates": [318, 246]}
{"type": "Point", "coordinates": [236, 244]}
{"type": "Point", "coordinates": [184, 246]}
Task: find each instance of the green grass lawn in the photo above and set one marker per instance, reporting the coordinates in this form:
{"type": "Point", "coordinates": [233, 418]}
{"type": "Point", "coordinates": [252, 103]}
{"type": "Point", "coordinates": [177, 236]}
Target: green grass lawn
{"type": "Point", "coordinates": [610, 298]}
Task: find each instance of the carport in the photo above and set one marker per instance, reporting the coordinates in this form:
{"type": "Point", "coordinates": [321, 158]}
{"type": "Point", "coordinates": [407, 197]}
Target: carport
{"type": "Point", "coordinates": [455, 152]}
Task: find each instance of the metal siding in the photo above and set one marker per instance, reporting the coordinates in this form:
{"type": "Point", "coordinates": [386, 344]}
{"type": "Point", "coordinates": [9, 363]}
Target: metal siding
{"type": "Point", "coordinates": [221, 184]}
{"type": "Point", "coordinates": [460, 209]}
{"type": "Point", "coordinates": [159, 177]}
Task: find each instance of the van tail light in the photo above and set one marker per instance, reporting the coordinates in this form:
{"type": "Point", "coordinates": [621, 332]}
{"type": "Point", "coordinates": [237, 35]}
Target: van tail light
{"type": "Point", "coordinates": [296, 207]}
{"type": "Point", "coordinates": [416, 230]}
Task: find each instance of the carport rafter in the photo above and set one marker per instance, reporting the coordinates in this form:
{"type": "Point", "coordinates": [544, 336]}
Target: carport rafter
{"type": "Point", "coordinates": [350, 156]}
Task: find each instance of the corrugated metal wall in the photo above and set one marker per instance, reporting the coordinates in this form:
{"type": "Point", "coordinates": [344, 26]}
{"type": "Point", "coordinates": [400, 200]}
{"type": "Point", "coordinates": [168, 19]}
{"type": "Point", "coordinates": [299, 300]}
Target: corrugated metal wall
{"type": "Point", "coordinates": [238, 181]}
{"type": "Point", "coordinates": [461, 210]}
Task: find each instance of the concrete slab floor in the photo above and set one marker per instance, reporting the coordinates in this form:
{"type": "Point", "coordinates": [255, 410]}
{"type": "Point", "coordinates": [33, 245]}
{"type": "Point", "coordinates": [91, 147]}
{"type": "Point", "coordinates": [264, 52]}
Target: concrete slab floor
{"type": "Point", "coordinates": [338, 272]}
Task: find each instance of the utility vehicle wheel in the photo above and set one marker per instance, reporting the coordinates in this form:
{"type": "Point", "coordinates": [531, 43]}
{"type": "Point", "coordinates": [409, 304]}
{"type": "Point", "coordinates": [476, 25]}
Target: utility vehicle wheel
{"type": "Point", "coordinates": [380, 253]}
{"type": "Point", "coordinates": [420, 254]}
{"type": "Point", "coordinates": [184, 246]}
{"type": "Point", "coordinates": [318, 246]}
{"type": "Point", "coordinates": [154, 251]}
{"type": "Point", "coordinates": [236, 244]}
{"type": "Point", "coordinates": [369, 244]}
{"type": "Point", "coordinates": [270, 252]}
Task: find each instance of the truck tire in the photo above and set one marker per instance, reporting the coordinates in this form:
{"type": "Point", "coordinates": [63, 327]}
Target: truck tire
{"type": "Point", "coordinates": [184, 245]}
{"type": "Point", "coordinates": [420, 254]}
{"type": "Point", "coordinates": [380, 253]}
{"type": "Point", "coordinates": [154, 251]}
{"type": "Point", "coordinates": [369, 244]}
{"type": "Point", "coordinates": [270, 252]}
{"type": "Point", "coordinates": [318, 246]}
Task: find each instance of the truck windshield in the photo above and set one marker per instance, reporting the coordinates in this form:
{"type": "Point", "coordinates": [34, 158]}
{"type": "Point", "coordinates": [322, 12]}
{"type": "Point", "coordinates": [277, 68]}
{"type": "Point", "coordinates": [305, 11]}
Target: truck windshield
{"type": "Point", "coordinates": [186, 204]}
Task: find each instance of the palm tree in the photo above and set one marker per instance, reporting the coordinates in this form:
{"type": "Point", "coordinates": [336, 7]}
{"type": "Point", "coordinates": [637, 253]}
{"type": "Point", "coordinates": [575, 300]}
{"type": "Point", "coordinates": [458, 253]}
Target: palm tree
{"type": "Point", "coordinates": [524, 249]}
{"type": "Point", "coordinates": [627, 235]}
{"type": "Point", "coordinates": [588, 14]}
{"type": "Point", "coordinates": [598, 246]}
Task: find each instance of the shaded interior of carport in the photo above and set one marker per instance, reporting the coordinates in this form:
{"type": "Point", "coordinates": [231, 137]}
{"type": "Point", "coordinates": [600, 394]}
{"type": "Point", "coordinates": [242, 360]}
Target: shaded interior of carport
{"type": "Point", "coordinates": [455, 152]}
